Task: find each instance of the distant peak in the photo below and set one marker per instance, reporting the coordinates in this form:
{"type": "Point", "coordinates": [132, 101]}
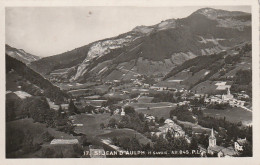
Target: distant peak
{"type": "Point", "coordinates": [214, 13]}
{"type": "Point", "coordinates": [210, 11]}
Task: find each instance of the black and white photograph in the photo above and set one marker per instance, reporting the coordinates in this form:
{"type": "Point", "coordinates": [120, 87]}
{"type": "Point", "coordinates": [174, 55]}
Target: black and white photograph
{"type": "Point", "coordinates": [129, 82]}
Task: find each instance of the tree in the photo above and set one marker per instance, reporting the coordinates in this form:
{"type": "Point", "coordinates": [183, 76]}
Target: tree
{"type": "Point", "coordinates": [247, 150]}
{"type": "Point", "coordinates": [161, 144]}
{"type": "Point", "coordinates": [10, 108]}
{"type": "Point", "coordinates": [84, 141]}
{"type": "Point", "coordinates": [229, 60]}
{"type": "Point", "coordinates": [47, 137]}
{"type": "Point", "coordinates": [194, 143]}
{"type": "Point", "coordinates": [161, 121]}
{"type": "Point", "coordinates": [134, 145]}
{"type": "Point", "coordinates": [14, 142]}
{"type": "Point", "coordinates": [78, 150]}
{"type": "Point", "coordinates": [146, 127]}
{"type": "Point", "coordinates": [168, 135]}
{"type": "Point", "coordinates": [102, 126]}
{"type": "Point", "coordinates": [59, 111]}
{"type": "Point", "coordinates": [129, 110]}
{"type": "Point", "coordinates": [112, 123]}
{"type": "Point", "coordinates": [59, 154]}
{"type": "Point", "coordinates": [28, 142]}
{"type": "Point", "coordinates": [115, 141]}
{"type": "Point", "coordinates": [48, 153]}
{"type": "Point", "coordinates": [89, 109]}
{"type": "Point", "coordinates": [124, 122]}
{"type": "Point", "coordinates": [72, 108]}
{"type": "Point", "coordinates": [141, 116]}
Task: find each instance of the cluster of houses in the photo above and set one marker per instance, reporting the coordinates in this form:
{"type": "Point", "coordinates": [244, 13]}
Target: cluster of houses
{"type": "Point", "coordinates": [119, 112]}
{"type": "Point", "coordinates": [149, 118]}
{"type": "Point", "coordinates": [225, 98]}
{"type": "Point", "coordinates": [56, 107]}
{"type": "Point", "coordinates": [171, 127]}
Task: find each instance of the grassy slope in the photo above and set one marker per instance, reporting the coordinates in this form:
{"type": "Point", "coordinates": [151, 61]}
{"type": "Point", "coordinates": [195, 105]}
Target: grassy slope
{"type": "Point", "coordinates": [232, 114]}
{"type": "Point", "coordinates": [91, 127]}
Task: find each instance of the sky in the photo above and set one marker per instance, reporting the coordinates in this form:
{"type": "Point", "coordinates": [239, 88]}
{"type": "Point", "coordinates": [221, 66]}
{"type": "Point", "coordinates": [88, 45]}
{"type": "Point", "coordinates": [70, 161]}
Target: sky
{"type": "Point", "coordinates": [46, 31]}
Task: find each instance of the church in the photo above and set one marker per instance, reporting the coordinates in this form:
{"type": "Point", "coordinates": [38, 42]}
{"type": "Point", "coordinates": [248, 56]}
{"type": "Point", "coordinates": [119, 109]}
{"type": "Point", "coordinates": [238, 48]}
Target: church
{"type": "Point", "coordinates": [122, 112]}
{"type": "Point", "coordinates": [213, 148]}
{"type": "Point", "coordinates": [228, 96]}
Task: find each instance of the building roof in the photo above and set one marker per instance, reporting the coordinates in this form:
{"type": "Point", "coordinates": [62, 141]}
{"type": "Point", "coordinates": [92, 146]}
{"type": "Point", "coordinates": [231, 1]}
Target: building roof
{"type": "Point", "coordinates": [229, 151]}
{"type": "Point", "coordinates": [167, 121]}
{"type": "Point", "coordinates": [64, 141]}
{"type": "Point", "coordinates": [221, 83]}
{"type": "Point", "coordinates": [242, 141]}
{"type": "Point", "coordinates": [216, 148]}
{"type": "Point", "coordinates": [223, 87]}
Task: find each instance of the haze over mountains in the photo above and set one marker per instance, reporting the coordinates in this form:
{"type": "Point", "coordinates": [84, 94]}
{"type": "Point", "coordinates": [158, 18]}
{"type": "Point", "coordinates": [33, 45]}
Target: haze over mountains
{"type": "Point", "coordinates": [149, 50]}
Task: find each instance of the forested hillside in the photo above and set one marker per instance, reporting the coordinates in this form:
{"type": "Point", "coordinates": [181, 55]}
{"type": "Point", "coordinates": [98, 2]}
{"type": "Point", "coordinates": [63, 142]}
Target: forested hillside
{"type": "Point", "coordinates": [49, 90]}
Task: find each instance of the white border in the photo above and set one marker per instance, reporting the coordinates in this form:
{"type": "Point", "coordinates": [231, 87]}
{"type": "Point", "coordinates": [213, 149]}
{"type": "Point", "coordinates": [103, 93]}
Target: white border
{"type": "Point", "coordinates": [141, 3]}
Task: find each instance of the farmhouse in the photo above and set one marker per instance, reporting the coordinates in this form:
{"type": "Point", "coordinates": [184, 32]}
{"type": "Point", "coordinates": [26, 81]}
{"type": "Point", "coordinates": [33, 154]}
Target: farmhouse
{"type": "Point", "coordinates": [149, 118]}
{"type": "Point", "coordinates": [116, 111]}
{"type": "Point", "coordinates": [65, 106]}
{"type": "Point", "coordinates": [78, 125]}
{"type": "Point", "coordinates": [239, 144]}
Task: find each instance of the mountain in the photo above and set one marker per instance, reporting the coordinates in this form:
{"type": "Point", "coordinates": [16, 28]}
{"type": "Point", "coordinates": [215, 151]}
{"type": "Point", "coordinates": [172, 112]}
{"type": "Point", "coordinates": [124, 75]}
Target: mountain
{"type": "Point", "coordinates": [150, 50]}
{"type": "Point", "coordinates": [27, 82]}
{"type": "Point", "coordinates": [202, 73]}
{"type": "Point", "coordinates": [20, 54]}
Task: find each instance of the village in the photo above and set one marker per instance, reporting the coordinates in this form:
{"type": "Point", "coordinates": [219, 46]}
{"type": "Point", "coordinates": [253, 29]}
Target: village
{"type": "Point", "coordinates": [165, 112]}
{"type": "Point", "coordinates": [175, 85]}
{"type": "Point", "coordinates": [120, 97]}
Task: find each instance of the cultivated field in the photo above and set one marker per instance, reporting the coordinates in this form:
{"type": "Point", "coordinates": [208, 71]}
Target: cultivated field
{"type": "Point", "coordinates": [207, 87]}
{"type": "Point", "coordinates": [159, 110]}
{"type": "Point", "coordinates": [232, 114]}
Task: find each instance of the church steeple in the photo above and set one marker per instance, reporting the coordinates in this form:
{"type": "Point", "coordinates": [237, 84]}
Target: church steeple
{"type": "Point", "coordinates": [122, 112]}
{"type": "Point", "coordinates": [228, 91]}
{"type": "Point", "coordinates": [212, 133]}
{"type": "Point", "coordinates": [212, 139]}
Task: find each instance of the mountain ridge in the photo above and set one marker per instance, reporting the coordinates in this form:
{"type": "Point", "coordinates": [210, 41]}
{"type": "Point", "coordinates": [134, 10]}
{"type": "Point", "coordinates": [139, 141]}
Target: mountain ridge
{"type": "Point", "coordinates": [20, 54]}
{"type": "Point", "coordinates": [186, 38]}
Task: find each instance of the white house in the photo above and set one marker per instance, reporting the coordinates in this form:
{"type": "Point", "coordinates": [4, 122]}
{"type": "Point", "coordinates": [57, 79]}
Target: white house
{"type": "Point", "coordinates": [239, 144]}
